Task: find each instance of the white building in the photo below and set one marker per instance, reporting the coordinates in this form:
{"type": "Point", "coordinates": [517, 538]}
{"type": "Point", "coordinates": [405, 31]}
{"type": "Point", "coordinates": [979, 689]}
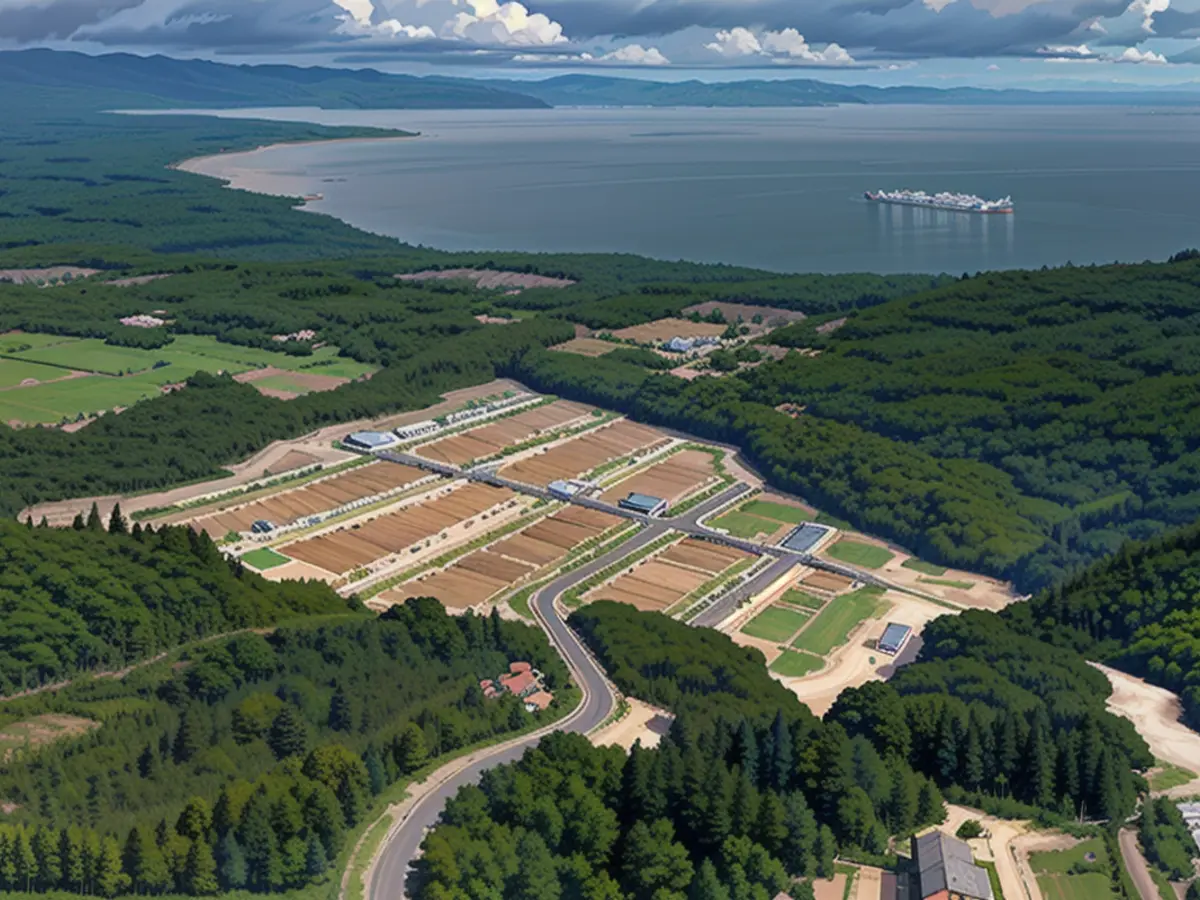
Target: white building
{"type": "Point", "coordinates": [417, 429]}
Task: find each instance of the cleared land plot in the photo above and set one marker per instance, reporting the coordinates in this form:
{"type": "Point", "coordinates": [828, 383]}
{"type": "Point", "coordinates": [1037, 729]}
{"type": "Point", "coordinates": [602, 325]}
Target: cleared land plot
{"type": "Point", "coordinates": [856, 553]}
{"type": "Point", "coordinates": [350, 547]}
{"type": "Point", "coordinates": [584, 453]}
{"type": "Point", "coordinates": [479, 576]}
{"type": "Point", "coordinates": [488, 440]}
{"type": "Point", "coordinates": [827, 581]}
{"type": "Point", "coordinates": [775, 623]}
{"type": "Point", "coordinates": [704, 555]}
{"type": "Point", "coordinates": [802, 598]}
{"type": "Point", "coordinates": [591, 347]}
{"type": "Point", "coordinates": [794, 664]}
{"type": "Point", "coordinates": [772, 316]}
{"type": "Point", "coordinates": [665, 329]}
{"type": "Point", "coordinates": [264, 558]}
{"type": "Point", "coordinates": [330, 493]}
{"type": "Point", "coordinates": [292, 460]}
{"type": "Point", "coordinates": [673, 479]}
{"type": "Point", "coordinates": [488, 279]}
{"type": "Point", "coordinates": [923, 567]}
{"type": "Point", "coordinates": [271, 379]}
{"type": "Point", "coordinates": [39, 731]}
{"type": "Point", "coordinates": [833, 624]}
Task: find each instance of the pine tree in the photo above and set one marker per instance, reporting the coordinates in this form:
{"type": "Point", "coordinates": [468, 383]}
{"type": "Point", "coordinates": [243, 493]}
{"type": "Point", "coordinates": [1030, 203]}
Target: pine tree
{"type": "Point", "coordinates": [1039, 763]}
{"type": "Point", "coordinates": [972, 759]}
{"type": "Point", "coordinates": [195, 822]}
{"type": "Point", "coordinates": [744, 809]}
{"type": "Point", "coordinates": [826, 850]}
{"type": "Point", "coordinates": [110, 879]}
{"type": "Point", "coordinates": [781, 755]}
{"type": "Point", "coordinates": [200, 872]}
{"type": "Point", "coordinates": [116, 522]}
{"type": "Point", "coordinates": [706, 885]}
{"type": "Point", "coordinates": [745, 750]}
{"type": "Point", "coordinates": [536, 878]}
{"type": "Point", "coordinates": [148, 762]}
{"type": "Point", "coordinates": [409, 751]}
{"type": "Point", "coordinates": [94, 522]}
{"type": "Point", "coordinates": [77, 524]}
{"type": "Point", "coordinates": [289, 733]}
{"type": "Point", "coordinates": [931, 808]}
{"type": "Point", "coordinates": [947, 747]}
{"type": "Point", "coordinates": [231, 863]}
{"type": "Point", "coordinates": [189, 739]}
{"type": "Point", "coordinates": [770, 830]}
{"type": "Point", "coordinates": [70, 853]}
{"type": "Point", "coordinates": [144, 863]}
{"type": "Point", "coordinates": [49, 863]}
{"type": "Point", "coordinates": [24, 859]}
{"type": "Point", "coordinates": [798, 852]}
{"type": "Point", "coordinates": [341, 714]}
{"type": "Point", "coordinates": [315, 861]}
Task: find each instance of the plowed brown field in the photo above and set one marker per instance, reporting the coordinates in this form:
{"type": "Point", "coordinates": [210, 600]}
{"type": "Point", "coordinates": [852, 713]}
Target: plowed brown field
{"type": "Point", "coordinates": [286, 507]}
{"type": "Point", "coordinates": [704, 555]}
{"type": "Point", "coordinates": [665, 329]}
{"type": "Point", "coordinates": [827, 581]}
{"type": "Point", "coordinates": [670, 576]}
{"type": "Point", "coordinates": [584, 453]}
{"type": "Point", "coordinates": [349, 548]}
{"type": "Point", "coordinates": [673, 479]}
{"type": "Point", "coordinates": [488, 440]}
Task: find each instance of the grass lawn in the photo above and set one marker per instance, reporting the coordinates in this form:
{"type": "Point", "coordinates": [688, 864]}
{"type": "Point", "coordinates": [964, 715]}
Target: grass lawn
{"type": "Point", "coordinates": [832, 626]}
{"type": "Point", "coordinates": [961, 585]}
{"type": "Point", "coordinates": [264, 558]}
{"type": "Point", "coordinates": [14, 371]}
{"type": "Point", "coordinates": [742, 525]}
{"type": "Point", "coordinates": [780, 512]}
{"type": "Point", "coordinates": [282, 383]}
{"type": "Point", "coordinates": [11, 342]}
{"type": "Point", "coordinates": [1165, 891]}
{"type": "Point", "coordinates": [859, 554]}
{"type": "Point", "coordinates": [1052, 871]}
{"type": "Point", "coordinates": [918, 565]}
{"type": "Point", "coordinates": [803, 598]}
{"type": "Point", "coordinates": [793, 664]}
{"type": "Point", "coordinates": [775, 624]}
{"type": "Point", "coordinates": [68, 398]}
{"type": "Point", "coordinates": [1171, 776]}
{"type": "Point", "coordinates": [1092, 886]}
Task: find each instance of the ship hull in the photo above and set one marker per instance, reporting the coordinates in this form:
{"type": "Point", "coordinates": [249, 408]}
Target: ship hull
{"type": "Point", "coordinates": [871, 198]}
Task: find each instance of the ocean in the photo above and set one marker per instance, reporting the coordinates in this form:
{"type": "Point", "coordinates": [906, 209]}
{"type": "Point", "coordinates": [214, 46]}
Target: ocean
{"type": "Point", "coordinates": [778, 189]}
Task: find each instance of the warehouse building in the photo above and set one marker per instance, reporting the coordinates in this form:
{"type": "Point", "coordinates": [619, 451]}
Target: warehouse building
{"type": "Point", "coordinates": [804, 538]}
{"type": "Point", "coordinates": [895, 636]}
{"type": "Point", "coordinates": [417, 429]}
{"type": "Point", "coordinates": [369, 441]}
{"type": "Point", "coordinates": [644, 504]}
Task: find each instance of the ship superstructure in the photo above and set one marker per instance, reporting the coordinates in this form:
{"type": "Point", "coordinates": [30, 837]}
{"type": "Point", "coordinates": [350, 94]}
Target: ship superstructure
{"type": "Point", "coordinates": [945, 200]}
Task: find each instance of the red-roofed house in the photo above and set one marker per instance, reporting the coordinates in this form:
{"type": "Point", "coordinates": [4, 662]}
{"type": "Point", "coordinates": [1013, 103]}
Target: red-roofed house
{"type": "Point", "coordinates": [539, 701]}
{"type": "Point", "coordinates": [520, 684]}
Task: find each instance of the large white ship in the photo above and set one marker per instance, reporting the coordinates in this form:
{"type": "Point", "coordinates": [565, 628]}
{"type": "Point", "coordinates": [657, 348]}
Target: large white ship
{"type": "Point", "coordinates": [945, 200]}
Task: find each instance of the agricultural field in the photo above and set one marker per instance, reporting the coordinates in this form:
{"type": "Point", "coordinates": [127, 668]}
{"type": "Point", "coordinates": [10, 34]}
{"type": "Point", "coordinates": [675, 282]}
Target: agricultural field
{"type": "Point", "coordinates": [284, 385]}
{"type": "Point", "coordinates": [827, 581]}
{"type": "Point", "coordinates": [1059, 876]}
{"type": "Point", "coordinates": [315, 497]}
{"type": "Point", "coordinates": [776, 624]}
{"type": "Point", "coordinates": [481, 575]}
{"type": "Point", "coordinates": [668, 577]}
{"type": "Point", "coordinates": [771, 317]}
{"type": "Point", "coordinates": [14, 373]}
{"type": "Point", "coordinates": [796, 664]}
{"type": "Point", "coordinates": [802, 599]}
{"type": "Point", "coordinates": [489, 440]}
{"type": "Point", "coordinates": [665, 329]}
{"type": "Point", "coordinates": [857, 553]}
{"type": "Point", "coordinates": [832, 625]}
{"type": "Point", "coordinates": [264, 558]}
{"type": "Point", "coordinates": [767, 519]}
{"type": "Point", "coordinates": [584, 453]}
{"type": "Point", "coordinates": [590, 347]}
{"type": "Point", "coordinates": [679, 476]}
{"type": "Point", "coordinates": [353, 546]}
{"type": "Point", "coordinates": [117, 377]}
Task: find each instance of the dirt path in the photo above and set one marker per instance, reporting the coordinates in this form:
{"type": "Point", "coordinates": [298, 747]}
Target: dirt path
{"type": "Point", "coordinates": [1156, 713]}
{"type": "Point", "coordinates": [643, 722]}
{"type": "Point", "coordinates": [1135, 864]}
{"type": "Point", "coordinates": [317, 444]}
{"type": "Point", "coordinates": [869, 883]}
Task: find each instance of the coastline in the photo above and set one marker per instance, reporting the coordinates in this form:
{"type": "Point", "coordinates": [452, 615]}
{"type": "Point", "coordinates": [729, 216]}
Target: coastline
{"type": "Point", "coordinates": [193, 165]}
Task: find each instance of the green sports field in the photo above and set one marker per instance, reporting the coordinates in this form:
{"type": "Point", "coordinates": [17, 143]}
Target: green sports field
{"type": "Point", "coordinates": [264, 558]}
{"type": "Point", "coordinates": [859, 554]}
{"type": "Point", "coordinates": [780, 512]}
{"type": "Point", "coordinates": [775, 624]}
{"type": "Point", "coordinates": [832, 626]}
{"type": "Point", "coordinates": [743, 525]}
{"type": "Point", "coordinates": [794, 664]}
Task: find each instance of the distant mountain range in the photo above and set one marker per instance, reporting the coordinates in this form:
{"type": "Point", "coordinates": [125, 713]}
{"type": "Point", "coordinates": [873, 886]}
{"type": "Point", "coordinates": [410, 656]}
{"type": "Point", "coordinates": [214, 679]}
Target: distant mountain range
{"type": "Point", "coordinates": [122, 79]}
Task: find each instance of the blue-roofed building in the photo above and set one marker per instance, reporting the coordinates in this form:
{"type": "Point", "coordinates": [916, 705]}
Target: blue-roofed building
{"type": "Point", "coordinates": [895, 636]}
{"type": "Point", "coordinates": [369, 441]}
{"type": "Point", "coordinates": [644, 504]}
{"type": "Point", "coordinates": [803, 538]}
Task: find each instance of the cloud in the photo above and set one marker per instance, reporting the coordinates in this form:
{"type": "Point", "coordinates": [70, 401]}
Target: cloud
{"type": "Point", "coordinates": [1134, 55]}
{"type": "Point", "coordinates": [787, 45]}
{"type": "Point", "coordinates": [508, 24]}
{"type": "Point", "coordinates": [629, 55]}
{"type": "Point", "coordinates": [1148, 9]}
{"type": "Point", "coordinates": [1066, 51]}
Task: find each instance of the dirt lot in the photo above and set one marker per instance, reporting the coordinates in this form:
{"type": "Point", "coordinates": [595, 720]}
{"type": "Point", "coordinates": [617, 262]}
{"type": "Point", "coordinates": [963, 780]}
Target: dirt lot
{"type": "Point", "coordinates": [643, 723]}
{"type": "Point", "coordinates": [488, 440]}
{"type": "Point", "coordinates": [138, 280]}
{"type": "Point", "coordinates": [827, 581]}
{"type": "Point", "coordinates": [305, 382]}
{"type": "Point", "coordinates": [772, 317]}
{"type": "Point", "coordinates": [665, 329]}
{"type": "Point", "coordinates": [330, 493]}
{"type": "Point", "coordinates": [40, 731]}
{"type": "Point", "coordinates": [586, 347]}
{"type": "Point", "coordinates": [54, 273]}
{"type": "Point", "coordinates": [353, 546]}
{"type": "Point", "coordinates": [489, 278]}
{"type": "Point", "coordinates": [292, 460]}
{"type": "Point", "coordinates": [584, 453]}
{"type": "Point", "coordinates": [479, 576]}
{"type": "Point", "coordinates": [983, 593]}
{"type": "Point", "coordinates": [677, 477]}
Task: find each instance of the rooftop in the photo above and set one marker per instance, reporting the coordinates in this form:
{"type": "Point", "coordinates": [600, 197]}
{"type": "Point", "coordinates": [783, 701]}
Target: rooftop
{"type": "Point", "coordinates": [945, 864]}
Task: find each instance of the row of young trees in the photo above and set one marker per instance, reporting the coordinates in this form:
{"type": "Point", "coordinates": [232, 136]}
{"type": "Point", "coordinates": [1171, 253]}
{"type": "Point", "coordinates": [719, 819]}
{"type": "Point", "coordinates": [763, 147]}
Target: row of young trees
{"type": "Point", "coordinates": [246, 766]}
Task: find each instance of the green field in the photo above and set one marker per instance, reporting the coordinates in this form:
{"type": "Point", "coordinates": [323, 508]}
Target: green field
{"type": "Point", "coordinates": [13, 372]}
{"type": "Point", "coordinates": [780, 512]}
{"type": "Point", "coordinates": [264, 558]}
{"type": "Point", "coordinates": [961, 585]}
{"type": "Point", "coordinates": [742, 525]}
{"type": "Point", "coordinates": [859, 554]}
{"type": "Point", "coordinates": [919, 565]}
{"type": "Point", "coordinates": [775, 624]}
{"type": "Point", "coordinates": [186, 355]}
{"type": "Point", "coordinates": [803, 598]}
{"type": "Point", "coordinates": [12, 342]}
{"type": "Point", "coordinates": [1052, 871]}
{"type": "Point", "coordinates": [1170, 776]}
{"type": "Point", "coordinates": [793, 664]}
{"type": "Point", "coordinates": [832, 626]}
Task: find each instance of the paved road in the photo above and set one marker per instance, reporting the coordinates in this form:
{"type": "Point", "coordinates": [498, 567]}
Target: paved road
{"type": "Point", "coordinates": [723, 608]}
{"type": "Point", "coordinates": [1135, 864]}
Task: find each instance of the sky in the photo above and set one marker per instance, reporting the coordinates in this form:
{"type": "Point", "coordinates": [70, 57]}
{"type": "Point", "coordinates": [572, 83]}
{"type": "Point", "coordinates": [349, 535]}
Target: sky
{"type": "Point", "coordinates": [989, 43]}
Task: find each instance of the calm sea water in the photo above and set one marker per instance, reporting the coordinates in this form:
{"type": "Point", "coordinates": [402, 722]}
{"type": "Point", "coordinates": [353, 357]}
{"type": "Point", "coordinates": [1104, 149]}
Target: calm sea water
{"type": "Point", "coordinates": [777, 189]}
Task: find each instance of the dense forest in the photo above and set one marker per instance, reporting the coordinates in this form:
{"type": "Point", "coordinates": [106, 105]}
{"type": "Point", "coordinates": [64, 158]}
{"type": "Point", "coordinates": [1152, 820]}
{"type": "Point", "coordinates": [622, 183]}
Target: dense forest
{"type": "Point", "coordinates": [1139, 610]}
{"type": "Point", "coordinates": [89, 600]}
{"type": "Point", "coordinates": [747, 791]}
{"type": "Point", "coordinates": [245, 766]}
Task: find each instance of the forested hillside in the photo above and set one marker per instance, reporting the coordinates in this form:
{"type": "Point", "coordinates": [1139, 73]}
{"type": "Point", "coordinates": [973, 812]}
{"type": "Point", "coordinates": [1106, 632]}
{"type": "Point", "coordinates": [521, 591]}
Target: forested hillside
{"type": "Point", "coordinates": [1138, 610]}
{"type": "Point", "coordinates": [747, 791]}
{"type": "Point", "coordinates": [78, 601]}
{"type": "Point", "coordinates": [246, 767]}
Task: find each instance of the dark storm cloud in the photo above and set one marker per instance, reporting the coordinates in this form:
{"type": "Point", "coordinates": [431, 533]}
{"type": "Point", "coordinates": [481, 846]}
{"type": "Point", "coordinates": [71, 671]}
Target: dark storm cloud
{"type": "Point", "coordinates": [55, 21]}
